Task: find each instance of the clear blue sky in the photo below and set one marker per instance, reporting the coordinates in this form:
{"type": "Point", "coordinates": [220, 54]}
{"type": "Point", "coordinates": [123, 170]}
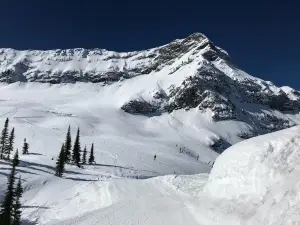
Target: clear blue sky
{"type": "Point", "coordinates": [263, 37]}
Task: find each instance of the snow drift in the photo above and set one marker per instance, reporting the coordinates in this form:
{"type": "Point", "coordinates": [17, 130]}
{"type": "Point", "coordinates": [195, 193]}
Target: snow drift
{"type": "Point", "coordinates": [258, 180]}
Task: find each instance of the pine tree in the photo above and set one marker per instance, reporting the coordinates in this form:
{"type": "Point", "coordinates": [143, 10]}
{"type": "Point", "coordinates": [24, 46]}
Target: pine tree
{"type": "Point", "coordinates": [11, 141]}
{"type": "Point", "coordinates": [76, 149]}
{"type": "Point", "coordinates": [84, 156]}
{"type": "Point", "coordinates": [16, 160]}
{"type": "Point", "coordinates": [25, 147]}
{"type": "Point", "coordinates": [4, 139]}
{"type": "Point", "coordinates": [6, 210]}
{"type": "Point", "coordinates": [17, 205]}
{"type": "Point", "coordinates": [92, 157]}
{"type": "Point", "coordinates": [68, 145]}
{"type": "Point", "coordinates": [60, 163]}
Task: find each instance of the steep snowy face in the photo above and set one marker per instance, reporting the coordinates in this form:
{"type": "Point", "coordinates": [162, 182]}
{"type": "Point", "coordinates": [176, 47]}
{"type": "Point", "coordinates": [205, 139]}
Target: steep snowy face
{"type": "Point", "coordinates": [184, 74]}
{"type": "Point", "coordinates": [259, 179]}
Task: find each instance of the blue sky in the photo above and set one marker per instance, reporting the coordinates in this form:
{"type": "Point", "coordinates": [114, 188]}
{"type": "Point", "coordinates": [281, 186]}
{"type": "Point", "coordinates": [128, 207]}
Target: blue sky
{"type": "Point", "coordinates": [262, 37]}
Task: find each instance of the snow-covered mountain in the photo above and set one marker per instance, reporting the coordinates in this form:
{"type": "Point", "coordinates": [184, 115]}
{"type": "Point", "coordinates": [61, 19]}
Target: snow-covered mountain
{"type": "Point", "coordinates": [184, 74]}
{"type": "Point", "coordinates": [184, 102]}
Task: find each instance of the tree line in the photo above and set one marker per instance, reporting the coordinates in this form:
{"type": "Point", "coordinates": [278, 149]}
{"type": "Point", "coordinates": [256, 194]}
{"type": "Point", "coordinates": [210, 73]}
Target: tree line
{"type": "Point", "coordinates": [69, 155]}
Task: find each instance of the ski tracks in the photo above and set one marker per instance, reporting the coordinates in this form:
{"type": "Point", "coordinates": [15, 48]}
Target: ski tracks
{"type": "Point", "coordinates": [10, 113]}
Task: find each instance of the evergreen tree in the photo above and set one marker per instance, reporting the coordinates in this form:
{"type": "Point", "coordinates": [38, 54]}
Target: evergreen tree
{"type": "Point", "coordinates": [6, 210]}
{"type": "Point", "coordinates": [84, 156]}
{"type": "Point", "coordinates": [16, 160]}
{"type": "Point", "coordinates": [25, 147]}
{"type": "Point", "coordinates": [17, 205]}
{"type": "Point", "coordinates": [76, 149]}
{"type": "Point", "coordinates": [4, 139]}
{"type": "Point", "coordinates": [60, 163]}
{"type": "Point", "coordinates": [68, 145]}
{"type": "Point", "coordinates": [11, 141]}
{"type": "Point", "coordinates": [92, 157]}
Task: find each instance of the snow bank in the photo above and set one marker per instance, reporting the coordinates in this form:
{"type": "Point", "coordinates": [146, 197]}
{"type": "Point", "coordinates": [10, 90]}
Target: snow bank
{"type": "Point", "coordinates": [258, 180]}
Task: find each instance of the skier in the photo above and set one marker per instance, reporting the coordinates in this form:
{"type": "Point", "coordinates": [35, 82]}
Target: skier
{"type": "Point", "coordinates": [154, 157]}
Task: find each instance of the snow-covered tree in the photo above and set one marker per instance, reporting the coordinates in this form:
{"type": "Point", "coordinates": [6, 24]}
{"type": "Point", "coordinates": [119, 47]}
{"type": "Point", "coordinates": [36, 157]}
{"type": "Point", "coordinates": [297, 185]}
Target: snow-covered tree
{"type": "Point", "coordinates": [16, 160]}
{"type": "Point", "coordinates": [92, 157]}
{"type": "Point", "coordinates": [60, 162]}
{"type": "Point", "coordinates": [77, 149]}
{"type": "Point", "coordinates": [68, 145]}
{"type": "Point", "coordinates": [4, 139]}
{"type": "Point", "coordinates": [83, 161]}
{"type": "Point", "coordinates": [11, 141]}
{"type": "Point", "coordinates": [25, 147]}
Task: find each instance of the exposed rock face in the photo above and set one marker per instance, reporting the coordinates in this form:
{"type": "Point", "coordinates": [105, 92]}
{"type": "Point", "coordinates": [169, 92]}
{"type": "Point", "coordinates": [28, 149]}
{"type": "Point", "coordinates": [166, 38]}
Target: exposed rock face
{"type": "Point", "coordinates": [223, 109]}
{"type": "Point", "coordinates": [190, 73]}
{"type": "Point", "coordinates": [220, 145]}
{"type": "Point", "coordinates": [139, 107]}
{"type": "Point", "coordinates": [230, 99]}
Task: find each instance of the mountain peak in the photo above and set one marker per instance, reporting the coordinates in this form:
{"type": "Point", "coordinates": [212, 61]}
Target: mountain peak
{"type": "Point", "coordinates": [197, 37]}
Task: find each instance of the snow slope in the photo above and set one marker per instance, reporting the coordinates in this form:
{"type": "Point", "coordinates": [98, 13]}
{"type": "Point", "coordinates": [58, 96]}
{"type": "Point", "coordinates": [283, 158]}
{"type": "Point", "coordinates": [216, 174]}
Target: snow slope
{"type": "Point", "coordinates": [253, 182]}
{"type": "Point", "coordinates": [42, 113]}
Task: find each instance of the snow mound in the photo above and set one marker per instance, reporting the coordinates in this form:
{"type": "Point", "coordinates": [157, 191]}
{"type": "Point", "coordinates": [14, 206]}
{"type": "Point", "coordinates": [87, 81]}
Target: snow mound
{"type": "Point", "coordinates": [260, 179]}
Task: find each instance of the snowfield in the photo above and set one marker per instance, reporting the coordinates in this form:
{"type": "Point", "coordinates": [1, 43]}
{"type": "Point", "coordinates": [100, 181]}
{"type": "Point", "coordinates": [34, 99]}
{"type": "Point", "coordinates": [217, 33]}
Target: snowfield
{"type": "Point", "coordinates": [253, 182]}
{"type": "Point", "coordinates": [125, 146]}
{"type": "Point", "coordinates": [125, 143]}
